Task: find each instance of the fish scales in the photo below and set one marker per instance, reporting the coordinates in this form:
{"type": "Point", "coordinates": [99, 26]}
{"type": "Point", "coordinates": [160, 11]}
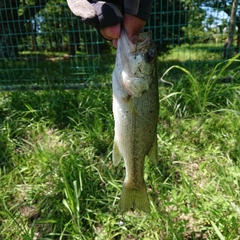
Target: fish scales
{"type": "Point", "coordinates": [135, 109]}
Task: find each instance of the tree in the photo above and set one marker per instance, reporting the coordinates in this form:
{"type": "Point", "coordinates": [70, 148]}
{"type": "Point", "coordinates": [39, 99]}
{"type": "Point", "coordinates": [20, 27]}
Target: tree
{"type": "Point", "coordinates": [179, 21]}
{"type": "Point", "coordinates": [15, 16]}
{"type": "Point", "coordinates": [169, 24]}
{"type": "Point", "coordinates": [41, 25]}
{"type": "Point", "coordinates": [228, 47]}
{"type": "Point", "coordinates": [194, 30]}
{"type": "Point", "coordinates": [232, 8]}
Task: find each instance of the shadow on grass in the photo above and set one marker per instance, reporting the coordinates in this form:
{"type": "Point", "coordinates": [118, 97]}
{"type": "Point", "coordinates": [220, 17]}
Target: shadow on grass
{"type": "Point", "coordinates": [88, 110]}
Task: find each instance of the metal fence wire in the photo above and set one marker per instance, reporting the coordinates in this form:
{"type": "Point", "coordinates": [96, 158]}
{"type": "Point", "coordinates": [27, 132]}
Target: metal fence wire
{"type": "Point", "coordinates": [42, 44]}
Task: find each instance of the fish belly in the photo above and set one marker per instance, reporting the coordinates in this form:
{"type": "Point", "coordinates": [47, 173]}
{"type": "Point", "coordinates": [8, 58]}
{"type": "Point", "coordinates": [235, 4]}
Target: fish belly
{"type": "Point", "coordinates": [135, 137]}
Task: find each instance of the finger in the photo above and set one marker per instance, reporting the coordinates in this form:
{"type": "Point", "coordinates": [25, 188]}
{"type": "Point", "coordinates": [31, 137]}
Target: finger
{"type": "Point", "coordinates": [133, 26]}
{"type": "Point", "coordinates": [114, 42]}
{"type": "Point", "coordinates": [111, 32]}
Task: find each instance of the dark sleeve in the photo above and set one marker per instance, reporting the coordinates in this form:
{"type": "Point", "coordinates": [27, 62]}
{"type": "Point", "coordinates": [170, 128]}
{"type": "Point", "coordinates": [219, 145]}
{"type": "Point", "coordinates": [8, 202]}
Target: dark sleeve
{"type": "Point", "coordinates": [97, 14]}
{"type": "Point", "coordinates": [139, 8]}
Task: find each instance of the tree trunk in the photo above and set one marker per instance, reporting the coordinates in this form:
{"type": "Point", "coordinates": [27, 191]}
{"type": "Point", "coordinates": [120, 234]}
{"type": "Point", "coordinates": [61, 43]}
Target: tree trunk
{"type": "Point", "coordinates": [8, 43]}
{"type": "Point", "coordinates": [8, 29]}
{"type": "Point", "coordinates": [238, 35]}
{"type": "Point", "coordinates": [228, 46]}
{"type": "Point", "coordinates": [33, 28]}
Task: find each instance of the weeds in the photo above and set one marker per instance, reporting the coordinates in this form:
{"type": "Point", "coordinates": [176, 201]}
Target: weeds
{"type": "Point", "coordinates": [57, 179]}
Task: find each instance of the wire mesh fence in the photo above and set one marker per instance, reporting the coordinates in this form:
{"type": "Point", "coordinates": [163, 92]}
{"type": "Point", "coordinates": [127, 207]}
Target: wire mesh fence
{"type": "Point", "coordinates": [43, 45]}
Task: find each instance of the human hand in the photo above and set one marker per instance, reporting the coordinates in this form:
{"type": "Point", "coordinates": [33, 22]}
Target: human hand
{"type": "Point", "coordinates": [132, 25]}
{"type": "Point", "coordinates": [108, 18]}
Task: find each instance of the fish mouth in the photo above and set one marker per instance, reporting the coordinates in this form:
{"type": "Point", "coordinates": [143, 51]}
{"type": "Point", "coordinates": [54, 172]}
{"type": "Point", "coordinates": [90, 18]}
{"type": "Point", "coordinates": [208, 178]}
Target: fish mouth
{"type": "Point", "coordinates": [143, 40]}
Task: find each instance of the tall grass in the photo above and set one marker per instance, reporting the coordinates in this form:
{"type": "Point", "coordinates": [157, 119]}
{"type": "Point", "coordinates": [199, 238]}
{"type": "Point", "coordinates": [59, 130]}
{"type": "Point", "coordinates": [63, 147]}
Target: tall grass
{"type": "Point", "coordinates": [57, 179]}
{"type": "Point", "coordinates": [201, 94]}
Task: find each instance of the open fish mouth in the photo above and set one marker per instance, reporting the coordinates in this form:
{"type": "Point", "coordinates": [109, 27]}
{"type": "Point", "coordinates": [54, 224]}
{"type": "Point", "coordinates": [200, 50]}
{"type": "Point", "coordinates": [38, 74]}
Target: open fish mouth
{"type": "Point", "coordinates": [143, 40]}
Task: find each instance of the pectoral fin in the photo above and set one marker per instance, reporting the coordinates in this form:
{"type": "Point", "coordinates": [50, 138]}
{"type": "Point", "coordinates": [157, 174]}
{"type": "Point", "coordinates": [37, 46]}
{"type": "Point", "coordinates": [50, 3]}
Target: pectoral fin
{"type": "Point", "coordinates": [116, 156]}
{"type": "Point", "coordinates": [153, 153]}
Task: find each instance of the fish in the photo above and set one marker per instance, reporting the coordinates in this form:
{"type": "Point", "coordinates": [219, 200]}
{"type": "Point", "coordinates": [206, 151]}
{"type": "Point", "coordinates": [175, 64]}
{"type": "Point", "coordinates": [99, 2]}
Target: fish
{"type": "Point", "coordinates": [135, 110]}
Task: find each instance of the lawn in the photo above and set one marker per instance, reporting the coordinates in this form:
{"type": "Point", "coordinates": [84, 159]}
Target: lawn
{"type": "Point", "coordinates": [57, 179]}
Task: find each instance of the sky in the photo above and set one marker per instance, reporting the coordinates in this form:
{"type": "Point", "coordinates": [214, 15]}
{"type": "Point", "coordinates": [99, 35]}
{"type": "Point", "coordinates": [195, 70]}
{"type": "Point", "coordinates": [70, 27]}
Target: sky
{"type": "Point", "coordinates": [218, 16]}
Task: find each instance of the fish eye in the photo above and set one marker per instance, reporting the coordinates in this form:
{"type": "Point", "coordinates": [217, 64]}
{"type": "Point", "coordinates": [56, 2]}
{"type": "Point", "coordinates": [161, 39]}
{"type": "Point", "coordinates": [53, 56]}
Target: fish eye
{"type": "Point", "coordinates": [149, 56]}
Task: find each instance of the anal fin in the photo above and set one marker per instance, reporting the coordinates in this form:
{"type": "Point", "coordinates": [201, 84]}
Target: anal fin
{"type": "Point", "coordinates": [153, 153]}
{"type": "Point", "coordinates": [116, 155]}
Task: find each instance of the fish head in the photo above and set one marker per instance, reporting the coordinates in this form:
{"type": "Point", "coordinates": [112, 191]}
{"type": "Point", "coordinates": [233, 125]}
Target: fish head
{"type": "Point", "coordinates": [136, 63]}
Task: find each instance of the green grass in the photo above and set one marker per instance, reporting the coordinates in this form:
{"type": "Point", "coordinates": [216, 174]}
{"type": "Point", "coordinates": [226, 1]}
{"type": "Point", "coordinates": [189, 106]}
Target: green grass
{"type": "Point", "coordinates": [195, 53]}
{"type": "Point", "coordinates": [57, 179]}
{"type": "Point", "coordinates": [49, 69]}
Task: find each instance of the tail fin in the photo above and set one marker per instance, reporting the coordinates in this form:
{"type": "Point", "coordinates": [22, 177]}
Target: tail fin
{"type": "Point", "coordinates": [134, 198]}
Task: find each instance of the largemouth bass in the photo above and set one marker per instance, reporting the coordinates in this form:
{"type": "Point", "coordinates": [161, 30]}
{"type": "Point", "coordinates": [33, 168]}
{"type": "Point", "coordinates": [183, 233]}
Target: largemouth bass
{"type": "Point", "coordinates": [135, 109]}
